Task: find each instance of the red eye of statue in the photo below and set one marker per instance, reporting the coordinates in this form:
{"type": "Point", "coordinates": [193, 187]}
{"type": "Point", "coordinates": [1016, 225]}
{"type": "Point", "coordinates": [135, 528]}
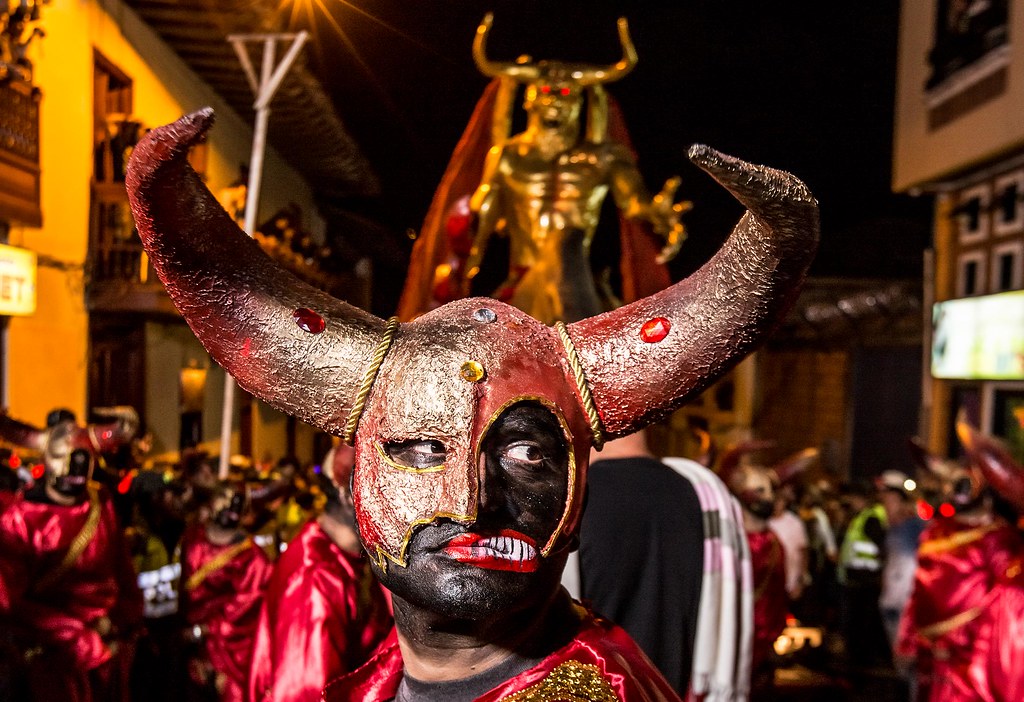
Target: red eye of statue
{"type": "Point", "coordinates": [565, 92]}
{"type": "Point", "coordinates": [545, 89]}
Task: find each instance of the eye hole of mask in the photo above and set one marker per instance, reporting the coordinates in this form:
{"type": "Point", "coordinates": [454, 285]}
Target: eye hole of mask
{"type": "Point", "coordinates": [962, 489]}
{"type": "Point", "coordinates": [418, 453]}
{"type": "Point", "coordinates": [79, 462]}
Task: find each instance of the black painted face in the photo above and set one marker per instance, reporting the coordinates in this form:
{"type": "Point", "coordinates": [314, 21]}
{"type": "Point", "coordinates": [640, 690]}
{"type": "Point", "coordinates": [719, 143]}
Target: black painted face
{"type": "Point", "coordinates": [753, 489]}
{"type": "Point", "coordinates": [79, 469]}
{"type": "Point", "coordinates": [228, 506]}
{"type": "Point", "coordinates": [494, 565]}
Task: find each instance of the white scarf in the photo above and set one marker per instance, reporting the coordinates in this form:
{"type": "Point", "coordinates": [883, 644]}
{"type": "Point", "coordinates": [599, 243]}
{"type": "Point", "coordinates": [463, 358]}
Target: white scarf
{"type": "Point", "coordinates": [723, 644]}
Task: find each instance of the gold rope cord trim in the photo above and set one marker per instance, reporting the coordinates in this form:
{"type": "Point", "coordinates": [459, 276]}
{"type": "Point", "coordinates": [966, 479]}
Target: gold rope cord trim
{"type": "Point", "coordinates": [581, 384]}
{"type": "Point", "coordinates": [97, 452]}
{"type": "Point", "coordinates": [941, 628]}
{"type": "Point", "coordinates": [571, 681]}
{"type": "Point", "coordinates": [938, 629]}
{"type": "Point", "coordinates": [956, 540]}
{"type": "Point", "coordinates": [78, 545]}
{"type": "Point", "coordinates": [368, 378]}
{"type": "Point", "coordinates": [216, 563]}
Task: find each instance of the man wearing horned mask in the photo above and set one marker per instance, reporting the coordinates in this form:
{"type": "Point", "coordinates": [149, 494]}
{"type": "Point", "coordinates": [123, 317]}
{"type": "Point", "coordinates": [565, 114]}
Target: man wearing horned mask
{"type": "Point", "coordinates": [473, 424]}
{"type": "Point", "coordinates": [68, 594]}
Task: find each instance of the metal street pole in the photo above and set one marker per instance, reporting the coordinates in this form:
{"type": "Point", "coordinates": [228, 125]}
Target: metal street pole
{"type": "Point", "coordinates": [264, 89]}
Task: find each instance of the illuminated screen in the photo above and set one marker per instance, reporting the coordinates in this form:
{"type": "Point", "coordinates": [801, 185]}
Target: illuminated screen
{"type": "Point", "coordinates": [979, 337]}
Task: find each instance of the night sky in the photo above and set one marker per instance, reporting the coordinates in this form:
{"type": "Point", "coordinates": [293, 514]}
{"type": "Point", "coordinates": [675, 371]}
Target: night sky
{"type": "Point", "coordinates": [803, 86]}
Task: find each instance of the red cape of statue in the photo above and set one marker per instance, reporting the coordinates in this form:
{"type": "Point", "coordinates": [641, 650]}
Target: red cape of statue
{"type": "Point", "coordinates": [323, 615]}
{"type": "Point", "coordinates": [965, 619]}
{"type": "Point", "coordinates": [600, 663]}
{"type": "Point", "coordinates": [58, 612]}
{"type": "Point", "coordinates": [641, 275]}
{"type": "Point", "coordinates": [227, 602]}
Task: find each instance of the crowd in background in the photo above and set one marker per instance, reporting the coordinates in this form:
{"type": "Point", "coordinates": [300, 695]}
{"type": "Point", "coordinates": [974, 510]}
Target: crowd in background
{"type": "Point", "coordinates": [211, 582]}
{"type": "Point", "coordinates": [170, 577]}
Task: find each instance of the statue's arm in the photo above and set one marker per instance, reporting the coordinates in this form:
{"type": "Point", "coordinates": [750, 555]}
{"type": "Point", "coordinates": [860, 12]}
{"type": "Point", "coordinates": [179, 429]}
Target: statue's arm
{"type": "Point", "coordinates": [633, 199]}
{"type": "Point", "coordinates": [484, 206]}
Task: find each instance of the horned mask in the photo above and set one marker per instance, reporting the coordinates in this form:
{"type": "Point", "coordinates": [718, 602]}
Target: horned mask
{"type": "Point", "coordinates": [447, 375]}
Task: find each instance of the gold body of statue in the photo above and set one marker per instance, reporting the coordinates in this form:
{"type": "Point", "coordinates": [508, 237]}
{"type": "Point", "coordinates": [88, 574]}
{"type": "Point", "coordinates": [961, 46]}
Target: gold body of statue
{"type": "Point", "coordinates": [544, 188]}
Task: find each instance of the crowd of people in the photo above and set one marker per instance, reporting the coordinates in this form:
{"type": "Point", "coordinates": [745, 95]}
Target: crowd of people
{"type": "Point", "coordinates": [119, 582]}
{"type": "Point", "coordinates": [913, 578]}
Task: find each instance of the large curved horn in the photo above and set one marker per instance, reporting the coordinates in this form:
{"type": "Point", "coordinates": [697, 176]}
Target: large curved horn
{"type": "Point", "coordinates": [590, 75]}
{"type": "Point", "coordinates": [644, 360]}
{"type": "Point", "coordinates": [493, 69]}
{"type": "Point", "coordinates": [249, 313]}
{"type": "Point", "coordinates": [1002, 471]}
{"type": "Point", "coordinates": [793, 465]}
{"type": "Point", "coordinates": [928, 461]}
{"type": "Point", "coordinates": [21, 434]}
{"type": "Point", "coordinates": [111, 435]}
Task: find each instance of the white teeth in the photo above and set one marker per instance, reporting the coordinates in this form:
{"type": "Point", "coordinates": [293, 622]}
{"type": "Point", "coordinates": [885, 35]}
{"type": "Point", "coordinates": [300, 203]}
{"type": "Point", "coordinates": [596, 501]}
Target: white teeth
{"type": "Point", "coordinates": [506, 547]}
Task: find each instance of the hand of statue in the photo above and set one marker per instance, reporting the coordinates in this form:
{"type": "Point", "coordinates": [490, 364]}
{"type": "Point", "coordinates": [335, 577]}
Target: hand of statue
{"type": "Point", "coordinates": [103, 626]}
{"type": "Point", "coordinates": [664, 216]}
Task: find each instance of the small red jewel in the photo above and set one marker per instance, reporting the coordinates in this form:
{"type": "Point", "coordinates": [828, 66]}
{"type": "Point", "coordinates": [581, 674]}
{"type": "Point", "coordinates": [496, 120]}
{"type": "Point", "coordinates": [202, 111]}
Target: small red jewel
{"type": "Point", "coordinates": [654, 330]}
{"type": "Point", "coordinates": [308, 320]}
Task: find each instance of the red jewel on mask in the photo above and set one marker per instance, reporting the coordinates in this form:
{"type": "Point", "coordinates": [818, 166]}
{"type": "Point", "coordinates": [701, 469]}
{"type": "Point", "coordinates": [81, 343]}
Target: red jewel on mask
{"type": "Point", "coordinates": [308, 320]}
{"type": "Point", "coordinates": [947, 510]}
{"type": "Point", "coordinates": [37, 470]}
{"type": "Point", "coordinates": [654, 330]}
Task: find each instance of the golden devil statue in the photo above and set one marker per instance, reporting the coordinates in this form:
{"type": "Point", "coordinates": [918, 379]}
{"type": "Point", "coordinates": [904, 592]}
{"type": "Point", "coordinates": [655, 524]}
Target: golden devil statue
{"type": "Point", "coordinates": [543, 188]}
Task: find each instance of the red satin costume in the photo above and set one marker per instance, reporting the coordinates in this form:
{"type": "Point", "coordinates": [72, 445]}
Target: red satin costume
{"type": "Point", "coordinates": [771, 603]}
{"type": "Point", "coordinates": [222, 590]}
{"type": "Point", "coordinates": [54, 601]}
{"type": "Point", "coordinates": [600, 664]}
{"type": "Point", "coordinates": [964, 619]}
{"type": "Point", "coordinates": [323, 615]}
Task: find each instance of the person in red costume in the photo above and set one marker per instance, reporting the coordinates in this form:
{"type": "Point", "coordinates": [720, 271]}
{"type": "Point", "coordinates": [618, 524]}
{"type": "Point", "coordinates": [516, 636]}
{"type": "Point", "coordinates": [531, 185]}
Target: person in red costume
{"type": "Point", "coordinates": [224, 575]}
{"type": "Point", "coordinates": [68, 598]}
{"type": "Point", "coordinates": [962, 626]}
{"type": "Point", "coordinates": [324, 613]}
{"type": "Point", "coordinates": [473, 423]}
{"type": "Point", "coordinates": [754, 488]}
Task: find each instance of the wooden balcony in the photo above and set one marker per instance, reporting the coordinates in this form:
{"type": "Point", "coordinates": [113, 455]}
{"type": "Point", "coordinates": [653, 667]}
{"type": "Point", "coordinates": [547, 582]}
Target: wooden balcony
{"type": "Point", "coordinates": [120, 278]}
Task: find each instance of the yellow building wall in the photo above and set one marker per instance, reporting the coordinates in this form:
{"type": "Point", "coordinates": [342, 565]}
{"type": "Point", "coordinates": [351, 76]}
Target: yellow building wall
{"type": "Point", "coordinates": [993, 127]}
{"type": "Point", "coordinates": [47, 352]}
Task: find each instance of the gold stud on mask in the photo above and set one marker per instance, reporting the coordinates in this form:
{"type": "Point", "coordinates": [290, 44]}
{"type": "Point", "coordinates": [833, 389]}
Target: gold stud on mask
{"type": "Point", "coordinates": [472, 371]}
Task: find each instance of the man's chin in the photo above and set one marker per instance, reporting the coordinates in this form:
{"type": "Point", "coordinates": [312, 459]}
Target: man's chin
{"type": "Point", "coordinates": [466, 592]}
{"type": "Point", "coordinates": [70, 486]}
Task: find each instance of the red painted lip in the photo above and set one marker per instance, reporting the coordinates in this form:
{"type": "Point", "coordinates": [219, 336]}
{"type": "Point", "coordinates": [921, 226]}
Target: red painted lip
{"type": "Point", "coordinates": [507, 550]}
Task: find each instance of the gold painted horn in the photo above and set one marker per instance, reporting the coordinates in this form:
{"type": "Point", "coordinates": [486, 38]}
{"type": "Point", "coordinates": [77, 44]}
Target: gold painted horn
{"type": "Point", "coordinates": [254, 318]}
{"type": "Point", "coordinates": [494, 69]}
{"type": "Point", "coordinates": [644, 360]}
{"type": "Point", "coordinates": [592, 75]}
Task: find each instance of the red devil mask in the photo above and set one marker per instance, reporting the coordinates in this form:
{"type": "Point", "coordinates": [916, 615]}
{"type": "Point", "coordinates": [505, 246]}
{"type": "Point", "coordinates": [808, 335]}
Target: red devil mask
{"type": "Point", "coordinates": [448, 375]}
{"type": "Point", "coordinates": [993, 459]}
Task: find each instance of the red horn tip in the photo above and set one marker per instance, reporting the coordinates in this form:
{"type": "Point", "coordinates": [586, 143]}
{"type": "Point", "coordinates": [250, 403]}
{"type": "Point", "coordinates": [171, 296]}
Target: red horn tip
{"type": "Point", "coordinates": [165, 144]}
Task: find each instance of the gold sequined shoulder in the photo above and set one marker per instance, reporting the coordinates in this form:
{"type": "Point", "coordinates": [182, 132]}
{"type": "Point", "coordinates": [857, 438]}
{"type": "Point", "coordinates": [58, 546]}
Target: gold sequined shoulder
{"type": "Point", "coordinates": [571, 681]}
